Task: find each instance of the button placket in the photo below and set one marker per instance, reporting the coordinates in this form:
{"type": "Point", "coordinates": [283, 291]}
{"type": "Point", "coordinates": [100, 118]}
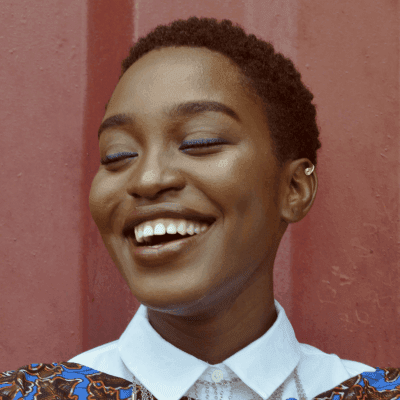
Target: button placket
{"type": "Point", "coordinates": [217, 376]}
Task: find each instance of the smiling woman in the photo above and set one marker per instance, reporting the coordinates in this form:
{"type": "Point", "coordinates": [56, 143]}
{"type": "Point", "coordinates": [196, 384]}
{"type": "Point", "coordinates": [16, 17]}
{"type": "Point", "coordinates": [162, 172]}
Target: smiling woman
{"type": "Point", "coordinates": [208, 152]}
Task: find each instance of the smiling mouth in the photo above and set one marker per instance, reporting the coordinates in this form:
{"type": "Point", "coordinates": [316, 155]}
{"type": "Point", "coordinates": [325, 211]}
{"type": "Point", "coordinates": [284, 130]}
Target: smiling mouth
{"type": "Point", "coordinates": [169, 247]}
{"type": "Point", "coordinates": [160, 240]}
{"type": "Point", "coordinates": [156, 240]}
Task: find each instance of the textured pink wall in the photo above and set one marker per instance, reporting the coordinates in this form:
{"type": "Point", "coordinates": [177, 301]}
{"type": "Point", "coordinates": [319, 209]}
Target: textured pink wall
{"type": "Point", "coordinates": [108, 302]}
{"type": "Point", "coordinates": [335, 272]}
{"type": "Point", "coordinates": [58, 284]}
{"type": "Point", "coordinates": [42, 80]}
{"type": "Point", "coordinates": [346, 252]}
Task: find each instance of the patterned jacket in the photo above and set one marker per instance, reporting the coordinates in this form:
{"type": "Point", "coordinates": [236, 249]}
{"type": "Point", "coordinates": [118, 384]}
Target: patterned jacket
{"type": "Point", "coordinates": [65, 380]}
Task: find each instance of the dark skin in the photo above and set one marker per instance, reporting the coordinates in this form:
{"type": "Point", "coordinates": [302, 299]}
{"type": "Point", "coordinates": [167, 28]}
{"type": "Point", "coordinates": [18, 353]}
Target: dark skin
{"type": "Point", "coordinates": [219, 298]}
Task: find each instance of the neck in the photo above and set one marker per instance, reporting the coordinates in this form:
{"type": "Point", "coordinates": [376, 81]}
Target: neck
{"type": "Point", "coordinates": [241, 320]}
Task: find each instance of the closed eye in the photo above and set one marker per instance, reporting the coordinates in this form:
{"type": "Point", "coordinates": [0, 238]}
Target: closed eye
{"type": "Point", "coordinates": [202, 143]}
{"type": "Point", "coordinates": [116, 157]}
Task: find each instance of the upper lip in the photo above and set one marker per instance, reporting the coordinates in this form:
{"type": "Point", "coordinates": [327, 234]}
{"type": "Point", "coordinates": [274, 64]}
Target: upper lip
{"type": "Point", "coordinates": [165, 210]}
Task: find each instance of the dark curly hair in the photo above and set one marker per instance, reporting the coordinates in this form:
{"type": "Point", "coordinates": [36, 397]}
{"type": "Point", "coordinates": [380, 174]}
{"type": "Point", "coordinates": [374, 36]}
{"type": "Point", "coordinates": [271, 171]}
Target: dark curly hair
{"type": "Point", "coordinates": [287, 102]}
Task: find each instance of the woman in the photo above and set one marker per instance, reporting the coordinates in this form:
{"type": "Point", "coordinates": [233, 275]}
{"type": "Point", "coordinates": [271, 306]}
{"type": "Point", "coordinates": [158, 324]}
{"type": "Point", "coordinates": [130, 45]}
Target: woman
{"type": "Point", "coordinates": [208, 151]}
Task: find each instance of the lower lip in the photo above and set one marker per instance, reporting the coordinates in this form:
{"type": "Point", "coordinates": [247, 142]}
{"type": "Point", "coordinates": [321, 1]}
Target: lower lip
{"type": "Point", "coordinates": [168, 251]}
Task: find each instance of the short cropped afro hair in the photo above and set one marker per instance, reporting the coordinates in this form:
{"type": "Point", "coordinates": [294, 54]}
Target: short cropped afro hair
{"type": "Point", "coordinates": [287, 102]}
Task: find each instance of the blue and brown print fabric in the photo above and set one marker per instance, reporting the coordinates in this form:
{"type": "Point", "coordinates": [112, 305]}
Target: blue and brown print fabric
{"type": "Point", "coordinates": [72, 381]}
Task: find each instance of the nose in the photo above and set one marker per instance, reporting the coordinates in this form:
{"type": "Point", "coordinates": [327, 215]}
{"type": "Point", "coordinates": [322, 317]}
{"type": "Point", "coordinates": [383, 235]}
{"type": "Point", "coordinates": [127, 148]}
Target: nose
{"type": "Point", "coordinates": [154, 173]}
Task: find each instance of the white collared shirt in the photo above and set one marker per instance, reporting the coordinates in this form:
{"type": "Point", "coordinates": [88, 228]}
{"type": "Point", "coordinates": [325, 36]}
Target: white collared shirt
{"type": "Point", "coordinates": [141, 355]}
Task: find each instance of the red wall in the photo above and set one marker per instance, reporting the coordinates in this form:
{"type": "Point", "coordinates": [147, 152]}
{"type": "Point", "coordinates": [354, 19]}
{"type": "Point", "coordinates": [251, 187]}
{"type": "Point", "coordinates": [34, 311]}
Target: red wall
{"type": "Point", "coordinates": [43, 86]}
{"type": "Point", "coordinates": [107, 301]}
{"type": "Point", "coordinates": [346, 253]}
{"type": "Point", "coordinates": [336, 271]}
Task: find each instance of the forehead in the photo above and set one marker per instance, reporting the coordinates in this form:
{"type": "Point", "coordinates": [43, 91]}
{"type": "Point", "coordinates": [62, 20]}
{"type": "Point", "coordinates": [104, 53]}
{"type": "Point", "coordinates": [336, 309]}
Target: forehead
{"type": "Point", "coordinates": [177, 74]}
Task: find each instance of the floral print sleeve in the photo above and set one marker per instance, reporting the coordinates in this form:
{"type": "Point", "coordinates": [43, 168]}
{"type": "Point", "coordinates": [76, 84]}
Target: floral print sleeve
{"type": "Point", "coordinates": [64, 381]}
{"type": "Point", "coordinates": [382, 384]}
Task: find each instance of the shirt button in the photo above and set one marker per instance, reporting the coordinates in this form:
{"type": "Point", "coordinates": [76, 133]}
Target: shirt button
{"type": "Point", "coordinates": [217, 375]}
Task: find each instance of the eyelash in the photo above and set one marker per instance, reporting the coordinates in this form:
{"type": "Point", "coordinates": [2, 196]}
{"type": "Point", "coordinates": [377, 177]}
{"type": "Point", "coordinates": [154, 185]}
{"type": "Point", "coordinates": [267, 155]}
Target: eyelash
{"type": "Point", "coordinates": [187, 145]}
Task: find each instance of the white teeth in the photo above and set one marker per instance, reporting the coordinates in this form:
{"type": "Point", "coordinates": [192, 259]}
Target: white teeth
{"type": "Point", "coordinates": [171, 229]}
{"type": "Point", "coordinates": [162, 226]}
{"type": "Point", "coordinates": [148, 231]}
{"type": "Point", "coordinates": [182, 227]}
{"type": "Point", "coordinates": [190, 228]}
{"type": "Point", "coordinates": [139, 233]}
{"type": "Point", "coordinates": [159, 229]}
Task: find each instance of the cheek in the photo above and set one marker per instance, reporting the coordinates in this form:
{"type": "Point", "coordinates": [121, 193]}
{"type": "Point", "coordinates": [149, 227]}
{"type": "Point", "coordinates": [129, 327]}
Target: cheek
{"type": "Point", "coordinates": [252, 198]}
{"type": "Point", "coordinates": [103, 198]}
{"type": "Point", "coordinates": [239, 181]}
{"type": "Point", "coordinates": [227, 176]}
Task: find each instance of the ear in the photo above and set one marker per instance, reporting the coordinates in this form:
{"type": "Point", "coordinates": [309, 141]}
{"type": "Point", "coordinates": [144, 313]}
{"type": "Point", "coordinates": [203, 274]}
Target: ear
{"type": "Point", "coordinates": [297, 190]}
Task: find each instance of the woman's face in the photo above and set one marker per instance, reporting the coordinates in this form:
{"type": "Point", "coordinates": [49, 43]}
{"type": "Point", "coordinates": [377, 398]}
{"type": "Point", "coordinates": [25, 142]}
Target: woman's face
{"type": "Point", "coordinates": [237, 182]}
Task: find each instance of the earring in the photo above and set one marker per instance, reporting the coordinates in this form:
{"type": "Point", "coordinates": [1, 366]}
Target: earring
{"type": "Point", "coordinates": [309, 171]}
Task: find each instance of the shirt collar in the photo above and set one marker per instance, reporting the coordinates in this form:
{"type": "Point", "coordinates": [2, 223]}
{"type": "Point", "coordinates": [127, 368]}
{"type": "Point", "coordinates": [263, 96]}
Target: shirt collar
{"type": "Point", "coordinates": [168, 372]}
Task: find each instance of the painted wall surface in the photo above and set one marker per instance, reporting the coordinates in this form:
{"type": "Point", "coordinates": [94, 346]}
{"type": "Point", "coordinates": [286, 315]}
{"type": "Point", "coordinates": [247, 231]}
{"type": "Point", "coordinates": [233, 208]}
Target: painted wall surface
{"type": "Point", "coordinates": [108, 302]}
{"type": "Point", "coordinates": [336, 272]}
{"type": "Point", "coordinates": [346, 257]}
{"type": "Point", "coordinates": [59, 66]}
{"type": "Point", "coordinates": [42, 81]}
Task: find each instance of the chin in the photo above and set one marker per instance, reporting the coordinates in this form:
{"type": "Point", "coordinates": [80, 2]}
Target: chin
{"type": "Point", "coordinates": [195, 304]}
{"type": "Point", "coordinates": [177, 302]}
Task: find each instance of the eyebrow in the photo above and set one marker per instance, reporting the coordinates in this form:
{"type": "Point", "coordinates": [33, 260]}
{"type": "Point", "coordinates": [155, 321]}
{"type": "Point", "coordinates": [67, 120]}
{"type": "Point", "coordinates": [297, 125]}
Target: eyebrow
{"type": "Point", "coordinates": [180, 110]}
